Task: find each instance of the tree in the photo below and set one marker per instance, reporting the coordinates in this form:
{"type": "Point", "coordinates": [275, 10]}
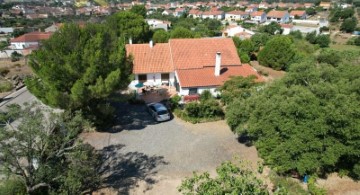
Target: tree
{"type": "Point", "coordinates": [260, 39]}
{"type": "Point", "coordinates": [139, 10]}
{"type": "Point", "coordinates": [349, 25]}
{"type": "Point", "coordinates": [77, 68]}
{"type": "Point", "coordinates": [306, 122]}
{"type": "Point", "coordinates": [161, 36]}
{"type": "Point", "coordinates": [272, 28]}
{"type": "Point", "coordinates": [15, 56]}
{"type": "Point", "coordinates": [232, 179]}
{"type": "Point", "coordinates": [41, 148]}
{"type": "Point", "coordinates": [329, 56]}
{"type": "Point", "coordinates": [310, 11]}
{"type": "Point", "coordinates": [311, 37]}
{"type": "Point", "coordinates": [277, 53]}
{"type": "Point", "coordinates": [129, 25]}
{"type": "Point", "coordinates": [323, 40]}
{"type": "Point", "coordinates": [181, 32]}
{"type": "Point", "coordinates": [357, 41]}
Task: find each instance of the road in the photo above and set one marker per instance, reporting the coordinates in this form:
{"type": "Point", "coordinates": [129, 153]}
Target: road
{"type": "Point", "coordinates": [18, 97]}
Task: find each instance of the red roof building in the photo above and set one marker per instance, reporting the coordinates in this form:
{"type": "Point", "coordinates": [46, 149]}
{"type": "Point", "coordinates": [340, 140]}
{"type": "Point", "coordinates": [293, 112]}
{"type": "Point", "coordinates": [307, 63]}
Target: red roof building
{"type": "Point", "coordinates": [29, 40]}
{"type": "Point", "coordinates": [191, 65]}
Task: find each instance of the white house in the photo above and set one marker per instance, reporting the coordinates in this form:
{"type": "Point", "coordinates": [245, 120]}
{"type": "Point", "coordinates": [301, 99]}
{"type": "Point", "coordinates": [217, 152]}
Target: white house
{"type": "Point", "coordinates": [27, 40]}
{"type": "Point", "coordinates": [195, 13]}
{"type": "Point", "coordinates": [287, 28]}
{"type": "Point", "coordinates": [167, 12]}
{"type": "Point", "coordinates": [236, 15]}
{"type": "Point", "coordinates": [278, 16]}
{"type": "Point", "coordinates": [220, 15]}
{"type": "Point", "coordinates": [158, 24]}
{"type": "Point", "coordinates": [258, 17]}
{"type": "Point", "coordinates": [238, 31]}
{"type": "Point", "coordinates": [190, 65]}
{"type": "Point", "coordinates": [251, 9]}
{"type": "Point", "coordinates": [298, 14]}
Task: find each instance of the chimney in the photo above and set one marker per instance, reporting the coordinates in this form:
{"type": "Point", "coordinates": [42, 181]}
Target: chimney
{"type": "Point", "coordinates": [130, 41]}
{"type": "Point", "coordinates": [218, 64]}
{"type": "Point", "coordinates": [151, 43]}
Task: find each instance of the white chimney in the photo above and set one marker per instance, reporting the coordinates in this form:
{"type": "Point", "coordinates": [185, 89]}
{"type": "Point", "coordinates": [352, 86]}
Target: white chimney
{"type": "Point", "coordinates": [151, 44]}
{"type": "Point", "coordinates": [217, 64]}
{"type": "Point", "coordinates": [130, 41]}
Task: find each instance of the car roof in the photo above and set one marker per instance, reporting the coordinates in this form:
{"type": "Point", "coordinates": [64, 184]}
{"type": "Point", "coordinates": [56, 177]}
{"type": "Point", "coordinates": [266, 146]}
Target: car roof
{"type": "Point", "coordinates": [158, 106]}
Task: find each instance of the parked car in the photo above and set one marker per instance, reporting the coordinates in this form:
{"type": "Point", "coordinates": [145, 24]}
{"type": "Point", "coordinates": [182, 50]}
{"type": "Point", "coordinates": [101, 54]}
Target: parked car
{"type": "Point", "coordinates": [159, 112]}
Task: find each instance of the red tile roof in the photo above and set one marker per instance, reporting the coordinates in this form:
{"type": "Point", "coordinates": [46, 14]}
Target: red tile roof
{"type": "Point", "coordinates": [257, 13]}
{"type": "Point", "coordinates": [198, 53]}
{"type": "Point", "coordinates": [297, 12]}
{"type": "Point", "coordinates": [32, 37]}
{"type": "Point", "coordinates": [150, 60]}
{"type": "Point", "coordinates": [205, 76]}
{"type": "Point", "coordinates": [235, 12]}
{"type": "Point", "coordinates": [276, 14]}
{"type": "Point", "coordinates": [213, 13]}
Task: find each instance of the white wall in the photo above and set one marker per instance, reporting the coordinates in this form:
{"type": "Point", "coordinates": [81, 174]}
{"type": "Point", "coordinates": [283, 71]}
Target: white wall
{"type": "Point", "coordinates": [185, 91]}
{"type": "Point", "coordinates": [22, 45]}
{"type": "Point", "coordinates": [153, 77]}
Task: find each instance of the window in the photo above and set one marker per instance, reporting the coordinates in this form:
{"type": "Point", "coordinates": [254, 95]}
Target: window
{"type": "Point", "coordinates": [142, 78]}
{"type": "Point", "coordinates": [165, 77]}
{"type": "Point", "coordinates": [193, 91]}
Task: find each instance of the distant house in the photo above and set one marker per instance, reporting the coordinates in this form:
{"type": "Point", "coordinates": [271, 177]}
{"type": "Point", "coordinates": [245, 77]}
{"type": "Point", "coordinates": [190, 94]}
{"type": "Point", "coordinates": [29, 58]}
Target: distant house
{"type": "Point", "coordinates": [190, 65]}
{"type": "Point", "coordinates": [54, 27]}
{"type": "Point", "coordinates": [158, 24]}
{"type": "Point", "coordinates": [36, 16]}
{"type": "Point", "coordinates": [236, 15]}
{"type": "Point", "coordinates": [179, 12]}
{"type": "Point", "coordinates": [213, 15]}
{"type": "Point", "coordinates": [287, 28]}
{"type": "Point", "coordinates": [325, 5]}
{"type": "Point", "coordinates": [195, 13]}
{"type": "Point", "coordinates": [264, 5]}
{"type": "Point", "coordinates": [258, 17]}
{"type": "Point", "coordinates": [237, 31]}
{"type": "Point", "coordinates": [308, 5]}
{"type": "Point", "coordinates": [298, 14]}
{"type": "Point", "coordinates": [27, 40]}
{"type": "Point", "coordinates": [6, 30]}
{"type": "Point", "coordinates": [251, 9]}
{"type": "Point", "coordinates": [278, 16]}
{"type": "Point", "coordinates": [167, 12]}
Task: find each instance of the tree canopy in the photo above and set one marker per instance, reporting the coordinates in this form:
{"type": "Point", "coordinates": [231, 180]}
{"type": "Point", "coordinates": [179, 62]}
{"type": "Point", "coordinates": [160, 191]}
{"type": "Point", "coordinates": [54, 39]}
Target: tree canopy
{"type": "Point", "coordinates": [42, 150]}
{"type": "Point", "coordinates": [278, 53]}
{"type": "Point", "coordinates": [308, 121]}
{"type": "Point", "coordinates": [232, 179]}
{"type": "Point", "coordinates": [77, 68]}
{"type": "Point", "coordinates": [161, 36]}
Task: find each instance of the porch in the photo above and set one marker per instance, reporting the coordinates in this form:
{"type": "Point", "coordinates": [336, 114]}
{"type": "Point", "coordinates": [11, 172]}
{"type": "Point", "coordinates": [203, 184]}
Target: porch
{"type": "Point", "coordinates": [156, 94]}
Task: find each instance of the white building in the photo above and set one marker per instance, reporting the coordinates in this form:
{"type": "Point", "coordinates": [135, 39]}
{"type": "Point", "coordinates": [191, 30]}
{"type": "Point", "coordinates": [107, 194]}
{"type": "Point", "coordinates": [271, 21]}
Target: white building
{"type": "Point", "coordinates": [27, 40]}
{"type": "Point", "coordinates": [219, 15]}
{"type": "Point", "coordinates": [258, 17]}
{"type": "Point", "coordinates": [278, 16]}
{"type": "Point", "coordinates": [236, 15]}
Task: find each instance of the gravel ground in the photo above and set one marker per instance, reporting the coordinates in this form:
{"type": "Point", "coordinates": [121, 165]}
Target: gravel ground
{"type": "Point", "coordinates": [144, 157]}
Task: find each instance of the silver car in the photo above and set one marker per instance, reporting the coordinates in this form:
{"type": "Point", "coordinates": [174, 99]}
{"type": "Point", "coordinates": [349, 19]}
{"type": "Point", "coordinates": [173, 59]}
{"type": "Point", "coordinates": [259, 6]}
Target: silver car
{"type": "Point", "coordinates": [159, 112]}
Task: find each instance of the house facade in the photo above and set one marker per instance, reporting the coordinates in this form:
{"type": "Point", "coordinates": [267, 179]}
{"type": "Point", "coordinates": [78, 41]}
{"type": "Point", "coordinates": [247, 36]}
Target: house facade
{"type": "Point", "coordinates": [258, 17]}
{"type": "Point", "coordinates": [190, 65]}
{"type": "Point", "coordinates": [278, 16]}
{"type": "Point", "coordinates": [219, 15]}
{"type": "Point", "coordinates": [236, 15]}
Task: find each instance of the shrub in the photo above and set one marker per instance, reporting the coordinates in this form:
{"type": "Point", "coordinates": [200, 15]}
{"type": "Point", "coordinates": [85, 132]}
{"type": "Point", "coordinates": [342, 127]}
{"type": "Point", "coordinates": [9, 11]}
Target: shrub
{"type": "Point", "coordinates": [329, 56]}
{"type": "Point", "coordinates": [5, 86]}
{"type": "Point", "coordinates": [313, 188]}
{"type": "Point", "coordinates": [4, 71]}
{"type": "Point", "coordinates": [205, 95]}
{"type": "Point", "coordinates": [12, 187]}
{"type": "Point", "coordinates": [174, 101]}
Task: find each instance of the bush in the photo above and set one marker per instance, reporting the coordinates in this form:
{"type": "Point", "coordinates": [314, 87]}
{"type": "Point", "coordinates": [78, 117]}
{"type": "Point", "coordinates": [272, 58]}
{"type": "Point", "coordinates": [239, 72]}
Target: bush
{"type": "Point", "coordinates": [314, 189]}
{"type": "Point", "coordinates": [5, 86]}
{"type": "Point", "coordinates": [4, 71]}
{"type": "Point", "coordinates": [12, 187]}
{"type": "Point", "coordinates": [205, 95]}
{"type": "Point", "coordinates": [15, 56]}
{"type": "Point", "coordinates": [287, 185]}
{"type": "Point", "coordinates": [174, 102]}
{"type": "Point", "coordinates": [329, 56]}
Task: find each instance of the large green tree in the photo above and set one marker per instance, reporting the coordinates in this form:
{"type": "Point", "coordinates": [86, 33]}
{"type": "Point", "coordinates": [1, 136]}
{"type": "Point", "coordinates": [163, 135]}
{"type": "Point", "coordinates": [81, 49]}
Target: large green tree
{"type": "Point", "coordinates": [306, 122]}
{"type": "Point", "coordinates": [77, 68]}
{"type": "Point", "coordinates": [42, 150]}
{"type": "Point", "coordinates": [161, 36]}
{"type": "Point", "coordinates": [278, 53]}
{"type": "Point", "coordinates": [181, 32]}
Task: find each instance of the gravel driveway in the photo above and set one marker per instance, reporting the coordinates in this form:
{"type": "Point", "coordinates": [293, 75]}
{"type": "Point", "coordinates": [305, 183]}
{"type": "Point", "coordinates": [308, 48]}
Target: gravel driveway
{"type": "Point", "coordinates": [144, 157]}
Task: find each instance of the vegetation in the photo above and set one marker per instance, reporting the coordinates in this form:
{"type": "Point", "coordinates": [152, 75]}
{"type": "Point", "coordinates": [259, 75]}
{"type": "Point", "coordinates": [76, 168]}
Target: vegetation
{"type": "Point", "coordinates": [207, 109]}
{"type": "Point", "coordinates": [42, 150]}
{"type": "Point", "coordinates": [278, 53]}
{"type": "Point", "coordinates": [161, 36]}
{"type": "Point", "coordinates": [77, 68]}
{"type": "Point", "coordinates": [321, 40]}
{"type": "Point", "coordinates": [285, 185]}
{"type": "Point", "coordinates": [303, 122]}
{"type": "Point", "coordinates": [5, 86]}
{"type": "Point", "coordinates": [232, 179]}
{"type": "Point", "coordinates": [349, 25]}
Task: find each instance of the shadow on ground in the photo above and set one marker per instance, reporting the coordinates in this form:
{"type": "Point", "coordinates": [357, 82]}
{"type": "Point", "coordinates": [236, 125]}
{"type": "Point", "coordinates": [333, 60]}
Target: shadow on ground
{"type": "Point", "coordinates": [122, 171]}
{"type": "Point", "coordinates": [245, 139]}
{"type": "Point", "coordinates": [130, 117]}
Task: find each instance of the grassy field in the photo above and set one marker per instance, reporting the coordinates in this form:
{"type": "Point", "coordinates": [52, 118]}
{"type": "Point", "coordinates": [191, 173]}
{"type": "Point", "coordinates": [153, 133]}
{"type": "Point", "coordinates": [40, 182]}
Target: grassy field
{"type": "Point", "coordinates": [345, 47]}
